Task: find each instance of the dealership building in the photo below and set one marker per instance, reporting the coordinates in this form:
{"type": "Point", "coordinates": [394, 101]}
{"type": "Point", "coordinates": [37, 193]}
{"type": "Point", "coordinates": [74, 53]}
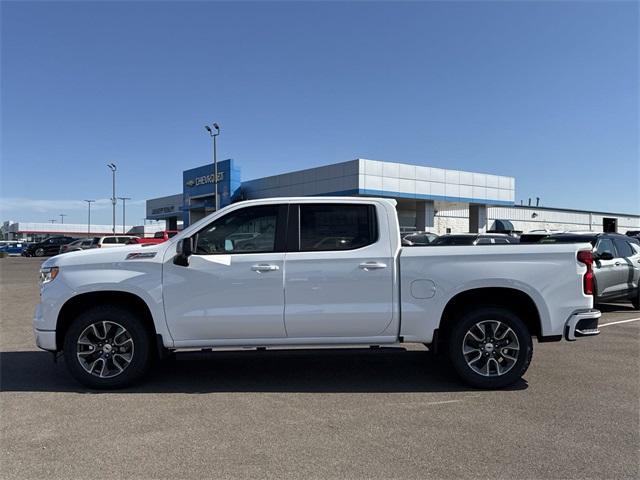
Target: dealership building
{"type": "Point", "coordinates": [428, 198]}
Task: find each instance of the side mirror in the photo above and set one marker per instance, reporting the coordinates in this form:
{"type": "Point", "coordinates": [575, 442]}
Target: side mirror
{"type": "Point", "coordinates": [184, 250]}
{"type": "Point", "coordinates": [603, 256]}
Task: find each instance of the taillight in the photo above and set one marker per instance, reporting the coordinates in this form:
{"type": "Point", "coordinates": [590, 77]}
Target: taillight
{"type": "Point", "coordinates": [586, 257]}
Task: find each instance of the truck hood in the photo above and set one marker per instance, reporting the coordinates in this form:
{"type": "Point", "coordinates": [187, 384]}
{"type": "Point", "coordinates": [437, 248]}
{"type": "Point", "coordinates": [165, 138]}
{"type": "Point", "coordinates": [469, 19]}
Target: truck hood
{"type": "Point", "coordinates": [104, 255]}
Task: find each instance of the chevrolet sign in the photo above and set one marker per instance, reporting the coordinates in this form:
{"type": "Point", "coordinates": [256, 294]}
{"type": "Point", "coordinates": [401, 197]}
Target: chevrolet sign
{"type": "Point", "coordinates": [203, 180]}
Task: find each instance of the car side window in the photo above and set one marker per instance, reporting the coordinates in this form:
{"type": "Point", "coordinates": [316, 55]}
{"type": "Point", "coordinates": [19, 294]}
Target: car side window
{"type": "Point", "coordinates": [605, 245]}
{"type": "Point", "coordinates": [623, 247]}
{"type": "Point", "coordinates": [484, 241]}
{"type": "Point", "coordinates": [501, 241]}
{"type": "Point", "coordinates": [109, 240]}
{"type": "Point", "coordinates": [247, 230]}
{"type": "Point", "coordinates": [336, 226]}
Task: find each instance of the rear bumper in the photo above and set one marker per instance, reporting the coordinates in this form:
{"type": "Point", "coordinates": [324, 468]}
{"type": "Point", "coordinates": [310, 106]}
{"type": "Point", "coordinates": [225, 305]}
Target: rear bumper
{"type": "Point", "coordinates": [582, 324]}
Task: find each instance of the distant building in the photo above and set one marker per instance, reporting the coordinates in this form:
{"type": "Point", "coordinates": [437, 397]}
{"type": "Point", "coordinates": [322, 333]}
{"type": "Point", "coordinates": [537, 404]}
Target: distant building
{"type": "Point", "coordinates": [428, 198]}
{"type": "Point", "coordinates": [34, 232]}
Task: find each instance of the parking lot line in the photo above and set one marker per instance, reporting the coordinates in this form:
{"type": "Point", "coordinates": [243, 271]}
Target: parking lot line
{"type": "Point", "coordinates": [620, 321]}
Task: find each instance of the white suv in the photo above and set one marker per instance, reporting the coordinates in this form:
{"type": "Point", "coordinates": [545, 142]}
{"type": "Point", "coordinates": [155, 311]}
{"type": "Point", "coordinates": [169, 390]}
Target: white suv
{"type": "Point", "coordinates": [111, 241]}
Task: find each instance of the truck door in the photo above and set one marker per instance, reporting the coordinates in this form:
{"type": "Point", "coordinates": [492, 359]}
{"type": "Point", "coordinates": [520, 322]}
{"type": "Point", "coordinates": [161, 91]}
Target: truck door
{"type": "Point", "coordinates": [339, 271]}
{"type": "Point", "coordinates": [232, 287]}
{"type": "Point", "coordinates": [611, 273]}
{"type": "Point", "coordinates": [628, 263]}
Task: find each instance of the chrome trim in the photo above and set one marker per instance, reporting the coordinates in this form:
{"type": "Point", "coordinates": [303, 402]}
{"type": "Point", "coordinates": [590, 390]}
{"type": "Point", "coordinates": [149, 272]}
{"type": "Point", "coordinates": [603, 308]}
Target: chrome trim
{"type": "Point", "coordinates": [570, 326]}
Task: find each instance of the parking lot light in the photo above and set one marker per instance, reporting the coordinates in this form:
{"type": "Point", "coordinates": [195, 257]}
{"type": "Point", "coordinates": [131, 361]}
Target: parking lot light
{"type": "Point", "coordinates": [124, 206]}
{"type": "Point", "coordinates": [213, 135]}
{"type": "Point", "coordinates": [89, 202]}
{"type": "Point", "coordinates": [113, 168]}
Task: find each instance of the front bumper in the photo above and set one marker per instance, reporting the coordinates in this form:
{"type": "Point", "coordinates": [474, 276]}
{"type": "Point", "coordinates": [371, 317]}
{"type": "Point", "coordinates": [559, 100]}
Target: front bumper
{"type": "Point", "coordinates": [46, 339]}
{"type": "Point", "coordinates": [582, 324]}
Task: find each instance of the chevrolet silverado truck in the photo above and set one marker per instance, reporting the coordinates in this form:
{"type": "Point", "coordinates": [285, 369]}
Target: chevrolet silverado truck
{"type": "Point", "coordinates": [311, 271]}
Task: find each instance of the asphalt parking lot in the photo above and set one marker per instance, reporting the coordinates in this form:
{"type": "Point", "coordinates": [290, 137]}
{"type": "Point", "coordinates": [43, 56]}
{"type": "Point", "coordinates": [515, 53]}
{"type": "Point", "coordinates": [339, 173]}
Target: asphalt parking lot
{"type": "Point", "coordinates": [386, 413]}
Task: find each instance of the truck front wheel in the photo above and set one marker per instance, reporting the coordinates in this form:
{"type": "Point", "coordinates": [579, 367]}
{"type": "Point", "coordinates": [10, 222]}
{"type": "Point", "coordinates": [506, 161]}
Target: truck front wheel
{"type": "Point", "coordinates": [490, 347]}
{"type": "Point", "coordinates": [107, 347]}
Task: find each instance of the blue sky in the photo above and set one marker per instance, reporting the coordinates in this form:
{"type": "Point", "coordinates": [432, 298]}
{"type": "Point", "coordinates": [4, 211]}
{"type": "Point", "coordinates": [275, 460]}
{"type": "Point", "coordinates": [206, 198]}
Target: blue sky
{"type": "Point", "coordinates": [546, 92]}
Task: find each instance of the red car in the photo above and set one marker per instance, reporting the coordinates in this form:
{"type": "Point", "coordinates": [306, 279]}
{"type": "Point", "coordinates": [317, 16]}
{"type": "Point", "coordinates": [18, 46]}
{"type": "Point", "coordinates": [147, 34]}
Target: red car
{"type": "Point", "coordinates": [158, 237]}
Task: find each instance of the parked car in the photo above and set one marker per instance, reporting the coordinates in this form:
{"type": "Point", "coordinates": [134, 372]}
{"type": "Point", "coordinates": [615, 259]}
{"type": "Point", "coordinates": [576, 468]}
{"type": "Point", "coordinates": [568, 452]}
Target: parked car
{"type": "Point", "coordinates": [616, 264]}
{"type": "Point", "coordinates": [81, 244]}
{"type": "Point", "coordinates": [111, 311]}
{"type": "Point", "coordinates": [474, 239]}
{"type": "Point", "coordinates": [417, 239]}
{"type": "Point", "coordinates": [12, 247]}
{"type": "Point", "coordinates": [504, 226]}
{"type": "Point", "coordinates": [534, 236]}
{"type": "Point", "coordinates": [49, 246]}
{"type": "Point", "coordinates": [633, 233]}
{"type": "Point", "coordinates": [111, 241]}
{"type": "Point", "coordinates": [158, 237]}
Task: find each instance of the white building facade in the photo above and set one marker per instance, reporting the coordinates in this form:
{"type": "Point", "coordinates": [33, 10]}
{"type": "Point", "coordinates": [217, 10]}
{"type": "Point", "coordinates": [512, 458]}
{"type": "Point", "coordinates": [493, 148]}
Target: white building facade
{"type": "Point", "coordinates": [428, 198]}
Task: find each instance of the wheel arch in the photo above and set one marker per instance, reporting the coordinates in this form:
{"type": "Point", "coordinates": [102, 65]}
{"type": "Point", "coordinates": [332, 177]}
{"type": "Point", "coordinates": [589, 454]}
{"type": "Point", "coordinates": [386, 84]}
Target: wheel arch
{"type": "Point", "coordinates": [77, 304]}
{"type": "Point", "coordinates": [512, 299]}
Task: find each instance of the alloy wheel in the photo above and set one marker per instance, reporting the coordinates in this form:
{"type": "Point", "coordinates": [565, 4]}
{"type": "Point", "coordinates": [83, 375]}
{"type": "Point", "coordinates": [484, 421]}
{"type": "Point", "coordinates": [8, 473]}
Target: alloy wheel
{"type": "Point", "coordinates": [490, 348]}
{"type": "Point", "coordinates": [105, 349]}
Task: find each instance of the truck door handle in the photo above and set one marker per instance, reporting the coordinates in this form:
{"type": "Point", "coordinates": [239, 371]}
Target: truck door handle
{"type": "Point", "coordinates": [372, 265]}
{"type": "Point", "coordinates": [264, 267]}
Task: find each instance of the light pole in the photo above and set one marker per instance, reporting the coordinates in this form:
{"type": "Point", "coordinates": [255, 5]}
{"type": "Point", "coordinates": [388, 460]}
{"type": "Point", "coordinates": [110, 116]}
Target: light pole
{"type": "Point", "coordinates": [124, 203]}
{"type": "Point", "coordinates": [213, 135]}
{"type": "Point", "coordinates": [53, 220]}
{"type": "Point", "coordinates": [113, 168]}
{"type": "Point", "coordinates": [89, 202]}
{"type": "Point", "coordinates": [62, 215]}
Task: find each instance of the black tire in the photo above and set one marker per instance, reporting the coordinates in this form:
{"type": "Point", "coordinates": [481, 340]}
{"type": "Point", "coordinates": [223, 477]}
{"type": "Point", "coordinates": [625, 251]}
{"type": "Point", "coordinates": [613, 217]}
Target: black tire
{"type": "Point", "coordinates": [140, 339]}
{"type": "Point", "coordinates": [39, 252]}
{"type": "Point", "coordinates": [636, 300]}
{"type": "Point", "coordinates": [462, 336]}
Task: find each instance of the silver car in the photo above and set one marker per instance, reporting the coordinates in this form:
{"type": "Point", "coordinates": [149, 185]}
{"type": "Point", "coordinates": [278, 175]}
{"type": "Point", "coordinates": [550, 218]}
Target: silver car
{"type": "Point", "coordinates": [616, 264]}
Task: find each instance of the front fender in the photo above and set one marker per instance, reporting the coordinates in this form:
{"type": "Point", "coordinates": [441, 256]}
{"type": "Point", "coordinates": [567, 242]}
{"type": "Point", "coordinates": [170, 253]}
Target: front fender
{"type": "Point", "coordinates": [142, 279]}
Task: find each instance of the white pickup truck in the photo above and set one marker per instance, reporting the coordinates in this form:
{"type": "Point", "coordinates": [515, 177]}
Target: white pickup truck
{"type": "Point", "coordinates": [311, 271]}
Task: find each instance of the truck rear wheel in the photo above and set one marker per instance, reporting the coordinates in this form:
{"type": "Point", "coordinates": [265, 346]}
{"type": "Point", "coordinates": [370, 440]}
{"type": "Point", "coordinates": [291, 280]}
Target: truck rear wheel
{"type": "Point", "coordinates": [490, 347]}
{"type": "Point", "coordinates": [107, 347]}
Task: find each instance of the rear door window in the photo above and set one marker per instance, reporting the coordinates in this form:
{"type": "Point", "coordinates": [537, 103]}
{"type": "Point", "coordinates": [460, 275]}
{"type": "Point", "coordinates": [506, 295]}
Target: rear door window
{"type": "Point", "coordinates": [109, 240]}
{"type": "Point", "coordinates": [623, 247]}
{"type": "Point", "coordinates": [336, 226]}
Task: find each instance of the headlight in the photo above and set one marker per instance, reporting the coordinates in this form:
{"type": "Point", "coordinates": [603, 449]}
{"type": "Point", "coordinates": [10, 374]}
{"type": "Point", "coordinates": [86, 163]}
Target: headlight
{"type": "Point", "coordinates": [48, 274]}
